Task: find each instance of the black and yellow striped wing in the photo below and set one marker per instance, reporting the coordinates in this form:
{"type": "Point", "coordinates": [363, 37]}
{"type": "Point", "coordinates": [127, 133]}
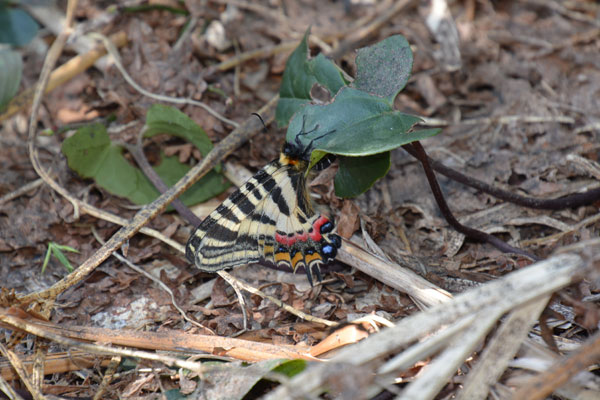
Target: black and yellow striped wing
{"type": "Point", "coordinates": [269, 217]}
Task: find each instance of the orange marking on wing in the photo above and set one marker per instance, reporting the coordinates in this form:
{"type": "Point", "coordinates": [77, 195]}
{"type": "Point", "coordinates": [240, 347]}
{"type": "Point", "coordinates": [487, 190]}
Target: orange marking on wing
{"type": "Point", "coordinates": [297, 258]}
{"type": "Point", "coordinates": [268, 250]}
{"type": "Point", "coordinates": [309, 258]}
{"type": "Point", "coordinates": [283, 257]}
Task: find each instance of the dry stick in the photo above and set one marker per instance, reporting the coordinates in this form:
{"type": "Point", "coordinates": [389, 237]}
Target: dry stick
{"type": "Point", "coordinates": [402, 279]}
{"type": "Point", "coordinates": [39, 363]}
{"type": "Point", "coordinates": [34, 328]}
{"type": "Point", "coordinates": [140, 159]}
{"type": "Point", "coordinates": [498, 352]}
{"type": "Point", "coordinates": [476, 234]}
{"type": "Point", "coordinates": [17, 364]}
{"type": "Point", "coordinates": [507, 292]}
{"type": "Point", "coordinates": [56, 363]}
{"type": "Point", "coordinates": [181, 342]}
{"type": "Point", "coordinates": [570, 201]}
{"type": "Point", "coordinates": [49, 62]}
{"type": "Point", "coordinates": [20, 191]}
{"type": "Point", "coordinates": [109, 374]}
{"type": "Point", "coordinates": [8, 390]}
{"type": "Point", "coordinates": [542, 385]}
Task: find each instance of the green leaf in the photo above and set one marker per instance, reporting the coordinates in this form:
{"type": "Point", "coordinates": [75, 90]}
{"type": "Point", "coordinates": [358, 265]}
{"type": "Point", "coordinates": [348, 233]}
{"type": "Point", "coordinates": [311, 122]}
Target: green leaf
{"type": "Point", "coordinates": [384, 68]}
{"type": "Point", "coordinates": [91, 154]}
{"type": "Point", "coordinates": [165, 119]}
{"type": "Point", "coordinates": [291, 368]}
{"type": "Point", "coordinates": [357, 174]}
{"type": "Point", "coordinates": [16, 26]}
{"type": "Point", "coordinates": [212, 184]}
{"type": "Point", "coordinates": [62, 258]}
{"type": "Point", "coordinates": [56, 249]}
{"type": "Point", "coordinates": [355, 124]}
{"type": "Point", "coordinates": [11, 66]}
{"type": "Point", "coordinates": [46, 259]}
{"type": "Point", "coordinates": [360, 122]}
{"type": "Point", "coordinates": [174, 394]}
{"type": "Point", "coordinates": [327, 73]}
{"type": "Point", "coordinates": [299, 76]}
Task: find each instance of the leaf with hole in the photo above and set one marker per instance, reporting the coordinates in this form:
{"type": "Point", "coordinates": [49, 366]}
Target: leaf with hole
{"type": "Point", "coordinates": [299, 77]}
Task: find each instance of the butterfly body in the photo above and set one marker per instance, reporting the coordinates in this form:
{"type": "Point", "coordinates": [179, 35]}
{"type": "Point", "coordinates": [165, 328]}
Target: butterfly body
{"type": "Point", "coordinates": [269, 217]}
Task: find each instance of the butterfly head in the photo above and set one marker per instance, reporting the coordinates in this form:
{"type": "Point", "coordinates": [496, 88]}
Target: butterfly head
{"type": "Point", "coordinates": [298, 154]}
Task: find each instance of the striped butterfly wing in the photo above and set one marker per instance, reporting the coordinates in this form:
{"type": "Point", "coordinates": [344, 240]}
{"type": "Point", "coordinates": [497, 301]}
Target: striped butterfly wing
{"type": "Point", "coordinates": [268, 217]}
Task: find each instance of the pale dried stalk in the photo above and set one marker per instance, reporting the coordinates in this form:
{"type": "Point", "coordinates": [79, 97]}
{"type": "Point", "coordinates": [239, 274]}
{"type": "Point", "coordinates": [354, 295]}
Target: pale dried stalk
{"type": "Point", "coordinates": [17, 323]}
{"type": "Point", "coordinates": [499, 296]}
{"type": "Point", "coordinates": [502, 348]}
{"type": "Point", "coordinates": [392, 275]}
{"type": "Point", "coordinates": [437, 374]}
{"type": "Point", "coordinates": [24, 375]}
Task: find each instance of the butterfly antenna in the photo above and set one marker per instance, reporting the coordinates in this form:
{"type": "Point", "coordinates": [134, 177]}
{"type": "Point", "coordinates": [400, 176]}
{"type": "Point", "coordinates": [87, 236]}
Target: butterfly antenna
{"type": "Point", "coordinates": [310, 144]}
{"type": "Point", "coordinates": [261, 120]}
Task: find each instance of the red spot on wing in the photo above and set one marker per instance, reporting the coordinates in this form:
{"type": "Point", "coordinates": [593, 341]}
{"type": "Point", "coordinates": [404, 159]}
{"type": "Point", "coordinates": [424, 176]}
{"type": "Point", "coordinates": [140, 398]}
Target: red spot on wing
{"type": "Point", "coordinates": [284, 239]}
{"type": "Point", "coordinates": [316, 233]}
{"type": "Point", "coordinates": [303, 237]}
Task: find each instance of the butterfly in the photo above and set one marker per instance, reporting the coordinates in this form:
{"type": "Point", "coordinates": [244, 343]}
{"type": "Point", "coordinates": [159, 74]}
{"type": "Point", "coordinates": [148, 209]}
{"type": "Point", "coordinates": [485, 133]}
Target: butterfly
{"type": "Point", "coordinates": [269, 217]}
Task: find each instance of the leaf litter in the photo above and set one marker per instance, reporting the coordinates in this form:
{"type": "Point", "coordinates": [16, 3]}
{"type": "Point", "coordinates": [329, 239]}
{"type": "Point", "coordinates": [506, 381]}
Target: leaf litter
{"type": "Point", "coordinates": [513, 65]}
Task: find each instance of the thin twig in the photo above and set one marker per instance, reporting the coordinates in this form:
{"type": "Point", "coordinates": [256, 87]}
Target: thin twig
{"type": "Point", "coordinates": [570, 201]}
{"type": "Point", "coordinates": [20, 191]}
{"type": "Point", "coordinates": [114, 53]}
{"type": "Point", "coordinates": [138, 155]}
{"type": "Point", "coordinates": [157, 281]}
{"type": "Point", "coordinates": [233, 282]}
{"type": "Point", "coordinates": [417, 151]}
{"type": "Point", "coordinates": [109, 375]}
{"type": "Point", "coordinates": [278, 302]}
{"type": "Point", "coordinates": [542, 385]}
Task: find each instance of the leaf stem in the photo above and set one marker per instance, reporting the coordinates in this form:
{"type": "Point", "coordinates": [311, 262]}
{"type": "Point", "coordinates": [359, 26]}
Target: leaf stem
{"type": "Point", "coordinates": [416, 150]}
{"type": "Point", "coordinates": [571, 201]}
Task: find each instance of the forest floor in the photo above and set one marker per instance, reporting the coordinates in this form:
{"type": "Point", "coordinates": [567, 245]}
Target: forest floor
{"type": "Point", "coordinates": [520, 111]}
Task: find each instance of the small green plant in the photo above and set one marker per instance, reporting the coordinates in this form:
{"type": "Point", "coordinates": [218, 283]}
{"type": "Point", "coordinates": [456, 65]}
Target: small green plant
{"type": "Point", "coordinates": [56, 250]}
{"type": "Point", "coordinates": [359, 125]}
{"type": "Point", "coordinates": [91, 154]}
